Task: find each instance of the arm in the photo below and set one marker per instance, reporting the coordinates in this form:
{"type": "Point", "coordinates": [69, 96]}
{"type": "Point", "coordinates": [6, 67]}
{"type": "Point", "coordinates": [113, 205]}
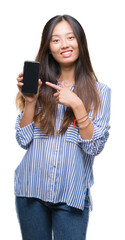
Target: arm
{"type": "Point", "coordinates": [24, 135]}
{"type": "Point", "coordinates": [80, 111]}
{"type": "Point", "coordinates": [28, 114]}
{"type": "Point", "coordinates": [101, 126]}
{"type": "Point", "coordinates": [24, 125]}
{"type": "Point", "coordinates": [93, 137]}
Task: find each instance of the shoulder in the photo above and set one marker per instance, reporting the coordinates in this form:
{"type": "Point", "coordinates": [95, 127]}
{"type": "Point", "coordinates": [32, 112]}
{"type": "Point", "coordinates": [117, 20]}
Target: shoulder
{"type": "Point", "coordinates": [103, 89]}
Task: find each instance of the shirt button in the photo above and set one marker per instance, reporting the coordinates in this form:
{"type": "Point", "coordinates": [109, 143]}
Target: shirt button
{"type": "Point", "coordinates": [93, 150]}
{"type": "Point", "coordinates": [61, 119]}
{"type": "Point", "coordinates": [54, 166]}
{"type": "Point", "coordinates": [56, 150]}
{"type": "Point", "coordinates": [58, 134]}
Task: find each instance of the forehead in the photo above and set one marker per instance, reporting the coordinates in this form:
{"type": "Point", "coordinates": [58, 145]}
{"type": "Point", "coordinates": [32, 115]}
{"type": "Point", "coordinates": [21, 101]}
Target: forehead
{"type": "Point", "coordinates": [61, 28]}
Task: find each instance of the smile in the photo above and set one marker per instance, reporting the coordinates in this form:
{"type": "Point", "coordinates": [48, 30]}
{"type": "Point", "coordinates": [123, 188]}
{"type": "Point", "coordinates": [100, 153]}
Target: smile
{"type": "Point", "coordinates": [66, 53]}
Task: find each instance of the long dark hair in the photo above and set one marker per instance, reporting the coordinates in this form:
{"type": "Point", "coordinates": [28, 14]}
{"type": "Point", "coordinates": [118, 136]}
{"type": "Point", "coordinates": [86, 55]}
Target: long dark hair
{"type": "Point", "coordinates": [85, 79]}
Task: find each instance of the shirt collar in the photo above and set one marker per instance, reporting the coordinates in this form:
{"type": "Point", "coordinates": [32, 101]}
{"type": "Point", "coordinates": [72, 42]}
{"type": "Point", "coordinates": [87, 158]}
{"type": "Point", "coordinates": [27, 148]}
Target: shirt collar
{"type": "Point", "coordinates": [71, 89]}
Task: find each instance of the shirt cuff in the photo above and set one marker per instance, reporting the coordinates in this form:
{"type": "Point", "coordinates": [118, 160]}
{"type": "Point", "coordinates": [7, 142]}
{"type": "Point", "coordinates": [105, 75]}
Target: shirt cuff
{"type": "Point", "coordinates": [24, 135]}
{"type": "Point", "coordinates": [96, 144]}
{"type": "Point", "coordinates": [87, 145]}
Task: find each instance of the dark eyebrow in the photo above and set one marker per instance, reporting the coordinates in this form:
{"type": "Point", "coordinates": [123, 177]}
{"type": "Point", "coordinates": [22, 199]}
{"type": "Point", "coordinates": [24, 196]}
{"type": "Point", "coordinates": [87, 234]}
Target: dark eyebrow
{"type": "Point", "coordinates": [57, 35]}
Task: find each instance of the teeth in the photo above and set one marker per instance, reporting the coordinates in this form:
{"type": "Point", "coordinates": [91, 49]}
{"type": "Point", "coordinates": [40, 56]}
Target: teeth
{"type": "Point", "coordinates": [66, 53]}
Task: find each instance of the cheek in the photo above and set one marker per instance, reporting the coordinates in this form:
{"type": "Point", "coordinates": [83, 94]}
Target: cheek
{"type": "Point", "coordinates": [54, 49]}
{"type": "Point", "coordinates": [55, 55]}
{"type": "Point", "coordinates": [76, 47]}
{"type": "Point", "coordinates": [76, 50]}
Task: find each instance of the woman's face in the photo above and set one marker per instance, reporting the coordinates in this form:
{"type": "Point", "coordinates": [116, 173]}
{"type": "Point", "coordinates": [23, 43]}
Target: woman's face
{"type": "Point", "coordinates": [63, 44]}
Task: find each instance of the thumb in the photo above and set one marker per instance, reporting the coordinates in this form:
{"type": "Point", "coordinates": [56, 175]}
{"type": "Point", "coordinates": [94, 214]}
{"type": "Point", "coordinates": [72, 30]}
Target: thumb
{"type": "Point", "coordinates": [39, 84]}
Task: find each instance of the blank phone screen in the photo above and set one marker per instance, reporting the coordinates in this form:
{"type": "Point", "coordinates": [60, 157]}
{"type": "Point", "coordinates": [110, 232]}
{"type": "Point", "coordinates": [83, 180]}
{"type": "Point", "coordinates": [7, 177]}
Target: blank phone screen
{"type": "Point", "coordinates": [30, 77]}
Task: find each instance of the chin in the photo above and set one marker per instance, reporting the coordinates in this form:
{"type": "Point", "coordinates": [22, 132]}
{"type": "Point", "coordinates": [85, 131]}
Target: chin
{"type": "Point", "coordinates": [67, 61]}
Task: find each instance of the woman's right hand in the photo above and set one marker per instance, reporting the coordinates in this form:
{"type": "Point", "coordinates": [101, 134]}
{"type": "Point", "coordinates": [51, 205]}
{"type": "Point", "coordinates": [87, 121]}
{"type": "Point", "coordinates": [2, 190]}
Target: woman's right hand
{"type": "Point", "coordinates": [29, 98]}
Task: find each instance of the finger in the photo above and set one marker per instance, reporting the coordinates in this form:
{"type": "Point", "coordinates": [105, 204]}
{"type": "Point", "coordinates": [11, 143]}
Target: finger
{"type": "Point", "coordinates": [39, 82]}
{"type": "Point", "coordinates": [20, 84]}
{"type": "Point", "coordinates": [54, 86]}
{"type": "Point", "coordinates": [19, 79]}
{"type": "Point", "coordinates": [19, 88]}
{"type": "Point", "coordinates": [56, 94]}
{"type": "Point", "coordinates": [21, 74]}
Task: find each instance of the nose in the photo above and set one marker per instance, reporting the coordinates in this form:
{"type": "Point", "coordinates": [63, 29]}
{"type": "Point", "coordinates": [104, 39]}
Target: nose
{"type": "Point", "coordinates": [64, 43]}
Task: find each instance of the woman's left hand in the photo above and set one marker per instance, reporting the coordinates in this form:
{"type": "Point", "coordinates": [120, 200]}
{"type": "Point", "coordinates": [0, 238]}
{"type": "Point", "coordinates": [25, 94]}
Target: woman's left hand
{"type": "Point", "coordinates": [65, 96]}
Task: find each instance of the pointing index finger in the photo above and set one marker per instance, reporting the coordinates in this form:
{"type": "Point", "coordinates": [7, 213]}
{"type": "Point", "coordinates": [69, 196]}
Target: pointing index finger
{"type": "Point", "coordinates": [54, 86]}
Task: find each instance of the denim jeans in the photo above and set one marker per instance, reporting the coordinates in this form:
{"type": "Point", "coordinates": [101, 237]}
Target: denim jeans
{"type": "Point", "coordinates": [41, 220]}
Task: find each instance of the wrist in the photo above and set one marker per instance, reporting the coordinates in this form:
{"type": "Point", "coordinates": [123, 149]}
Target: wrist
{"type": "Point", "coordinates": [30, 107]}
{"type": "Point", "coordinates": [30, 104]}
{"type": "Point", "coordinates": [79, 110]}
{"type": "Point", "coordinates": [77, 104]}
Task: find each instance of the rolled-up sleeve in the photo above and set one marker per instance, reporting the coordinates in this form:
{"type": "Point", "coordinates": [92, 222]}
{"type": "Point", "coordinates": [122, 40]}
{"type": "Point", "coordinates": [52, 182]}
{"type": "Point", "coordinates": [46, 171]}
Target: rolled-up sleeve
{"type": "Point", "coordinates": [24, 135]}
{"type": "Point", "coordinates": [101, 126]}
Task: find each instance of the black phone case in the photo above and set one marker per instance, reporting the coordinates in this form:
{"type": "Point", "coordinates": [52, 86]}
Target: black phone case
{"type": "Point", "coordinates": [30, 77]}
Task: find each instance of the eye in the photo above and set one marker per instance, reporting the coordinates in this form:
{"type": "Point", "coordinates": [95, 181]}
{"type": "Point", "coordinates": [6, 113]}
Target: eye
{"type": "Point", "coordinates": [71, 37]}
{"type": "Point", "coordinates": [55, 40]}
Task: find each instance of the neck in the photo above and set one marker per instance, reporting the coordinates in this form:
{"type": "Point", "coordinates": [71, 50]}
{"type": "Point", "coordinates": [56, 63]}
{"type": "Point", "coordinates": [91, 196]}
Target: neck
{"type": "Point", "coordinates": [67, 75]}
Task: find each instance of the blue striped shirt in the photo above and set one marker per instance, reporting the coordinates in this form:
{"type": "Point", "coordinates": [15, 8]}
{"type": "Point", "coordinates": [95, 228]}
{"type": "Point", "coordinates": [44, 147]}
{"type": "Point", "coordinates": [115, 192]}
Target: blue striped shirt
{"type": "Point", "coordinates": [59, 169]}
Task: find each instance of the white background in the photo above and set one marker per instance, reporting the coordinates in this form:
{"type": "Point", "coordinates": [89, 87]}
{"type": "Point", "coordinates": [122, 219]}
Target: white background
{"type": "Point", "coordinates": [21, 24]}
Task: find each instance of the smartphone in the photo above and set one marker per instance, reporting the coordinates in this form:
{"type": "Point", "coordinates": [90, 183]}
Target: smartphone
{"type": "Point", "coordinates": [30, 77]}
